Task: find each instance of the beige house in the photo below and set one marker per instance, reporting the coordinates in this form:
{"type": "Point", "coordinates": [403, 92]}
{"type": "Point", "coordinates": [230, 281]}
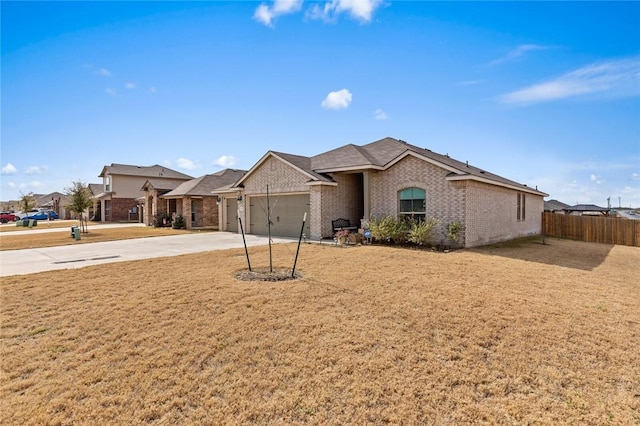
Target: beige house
{"type": "Point", "coordinates": [120, 197]}
{"type": "Point", "coordinates": [388, 177]}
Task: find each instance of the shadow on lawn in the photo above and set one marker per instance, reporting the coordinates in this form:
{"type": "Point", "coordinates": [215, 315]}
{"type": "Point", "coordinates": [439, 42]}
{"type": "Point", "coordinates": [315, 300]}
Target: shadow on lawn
{"type": "Point", "coordinates": [553, 251]}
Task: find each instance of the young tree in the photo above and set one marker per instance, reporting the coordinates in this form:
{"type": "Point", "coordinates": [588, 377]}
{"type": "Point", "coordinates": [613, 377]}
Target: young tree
{"type": "Point", "coordinates": [27, 202]}
{"type": "Point", "coordinates": [80, 199]}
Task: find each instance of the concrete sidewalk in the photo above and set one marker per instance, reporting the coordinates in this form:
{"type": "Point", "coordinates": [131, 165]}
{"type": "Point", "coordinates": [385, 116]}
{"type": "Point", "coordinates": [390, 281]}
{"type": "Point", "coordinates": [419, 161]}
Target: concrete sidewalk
{"type": "Point", "coordinates": [28, 261]}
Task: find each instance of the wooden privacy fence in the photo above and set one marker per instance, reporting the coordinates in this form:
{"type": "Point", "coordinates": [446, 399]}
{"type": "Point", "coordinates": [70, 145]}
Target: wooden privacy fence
{"type": "Point", "coordinates": [593, 229]}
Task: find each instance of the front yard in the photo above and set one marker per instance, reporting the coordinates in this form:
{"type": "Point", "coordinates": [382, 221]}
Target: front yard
{"type": "Point", "coordinates": [513, 334]}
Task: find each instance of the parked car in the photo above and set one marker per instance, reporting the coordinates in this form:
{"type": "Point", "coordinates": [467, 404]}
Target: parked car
{"type": "Point", "coordinates": [7, 217]}
{"type": "Point", "coordinates": [23, 215]}
{"type": "Point", "coordinates": [42, 215]}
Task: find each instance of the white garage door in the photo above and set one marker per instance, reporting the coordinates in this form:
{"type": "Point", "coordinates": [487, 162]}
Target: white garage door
{"type": "Point", "coordinates": [286, 215]}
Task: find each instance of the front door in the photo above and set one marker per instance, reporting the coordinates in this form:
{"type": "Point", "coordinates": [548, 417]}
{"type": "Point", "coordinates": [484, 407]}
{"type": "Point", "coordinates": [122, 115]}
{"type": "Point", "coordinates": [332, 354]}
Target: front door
{"type": "Point", "coordinates": [232, 215]}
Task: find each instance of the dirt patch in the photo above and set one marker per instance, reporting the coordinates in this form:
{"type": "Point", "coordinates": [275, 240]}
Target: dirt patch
{"type": "Point", "coordinates": [370, 335]}
{"type": "Point", "coordinates": [266, 274]}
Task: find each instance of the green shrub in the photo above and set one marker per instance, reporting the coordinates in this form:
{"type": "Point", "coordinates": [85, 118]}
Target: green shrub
{"type": "Point", "coordinates": [421, 232]}
{"type": "Point", "coordinates": [178, 222]}
{"type": "Point", "coordinates": [161, 220]}
{"type": "Point", "coordinates": [389, 229]}
{"type": "Point", "coordinates": [453, 230]}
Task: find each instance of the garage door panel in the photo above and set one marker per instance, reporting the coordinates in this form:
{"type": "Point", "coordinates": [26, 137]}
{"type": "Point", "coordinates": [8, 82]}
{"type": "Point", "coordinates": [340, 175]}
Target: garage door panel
{"type": "Point", "coordinates": [286, 215]}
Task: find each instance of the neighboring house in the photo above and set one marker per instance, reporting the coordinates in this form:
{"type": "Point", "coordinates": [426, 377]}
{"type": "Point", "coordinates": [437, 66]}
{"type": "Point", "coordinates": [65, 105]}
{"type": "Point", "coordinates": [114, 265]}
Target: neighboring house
{"type": "Point", "coordinates": [92, 212]}
{"type": "Point", "coordinates": [121, 190]}
{"type": "Point", "coordinates": [586, 210]}
{"type": "Point", "coordinates": [197, 200]}
{"type": "Point", "coordinates": [55, 201]}
{"type": "Point", "coordinates": [555, 206]}
{"type": "Point", "coordinates": [151, 204]}
{"type": "Point", "coordinates": [388, 177]}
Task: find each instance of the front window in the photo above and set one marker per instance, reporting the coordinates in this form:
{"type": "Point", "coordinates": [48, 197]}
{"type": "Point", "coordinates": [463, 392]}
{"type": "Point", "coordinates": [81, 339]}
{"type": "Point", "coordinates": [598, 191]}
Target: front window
{"type": "Point", "coordinates": [107, 184]}
{"type": "Point", "coordinates": [107, 209]}
{"type": "Point", "coordinates": [413, 203]}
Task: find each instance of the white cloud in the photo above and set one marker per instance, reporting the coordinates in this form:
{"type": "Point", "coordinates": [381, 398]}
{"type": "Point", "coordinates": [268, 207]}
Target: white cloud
{"type": "Point", "coordinates": [34, 184]}
{"type": "Point", "coordinates": [337, 100]}
{"type": "Point", "coordinates": [102, 72]}
{"type": "Point", "coordinates": [361, 10]}
{"type": "Point", "coordinates": [11, 184]}
{"type": "Point", "coordinates": [187, 164]}
{"type": "Point", "coordinates": [36, 170]}
{"type": "Point", "coordinates": [9, 169]}
{"type": "Point", "coordinates": [518, 52]}
{"type": "Point", "coordinates": [153, 89]}
{"type": "Point", "coordinates": [266, 14]}
{"type": "Point", "coordinates": [130, 86]}
{"type": "Point", "coordinates": [635, 176]}
{"type": "Point", "coordinates": [470, 83]}
{"type": "Point", "coordinates": [619, 78]}
{"type": "Point", "coordinates": [224, 161]}
{"type": "Point", "coordinates": [111, 92]}
{"type": "Point", "coordinates": [595, 179]}
{"type": "Point", "coordinates": [380, 114]}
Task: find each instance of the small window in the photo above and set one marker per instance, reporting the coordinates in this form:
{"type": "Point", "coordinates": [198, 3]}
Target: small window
{"type": "Point", "coordinates": [107, 184]}
{"type": "Point", "coordinates": [413, 203]}
{"type": "Point", "coordinates": [521, 207]}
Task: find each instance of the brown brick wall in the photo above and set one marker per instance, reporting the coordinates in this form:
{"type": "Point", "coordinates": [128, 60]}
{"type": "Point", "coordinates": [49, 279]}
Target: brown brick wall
{"type": "Point", "coordinates": [280, 177]}
{"type": "Point", "coordinates": [120, 209]}
{"type": "Point", "coordinates": [445, 200]}
{"type": "Point", "coordinates": [493, 214]}
{"type": "Point", "coordinates": [210, 212]}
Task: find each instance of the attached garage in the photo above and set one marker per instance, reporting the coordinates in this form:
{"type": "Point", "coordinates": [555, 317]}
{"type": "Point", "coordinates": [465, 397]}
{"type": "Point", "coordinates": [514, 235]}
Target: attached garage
{"type": "Point", "coordinates": [287, 212]}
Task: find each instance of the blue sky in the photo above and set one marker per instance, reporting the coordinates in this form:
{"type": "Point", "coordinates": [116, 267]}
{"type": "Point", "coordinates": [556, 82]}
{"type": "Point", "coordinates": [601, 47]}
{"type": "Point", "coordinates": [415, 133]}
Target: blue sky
{"type": "Point", "coordinates": [543, 93]}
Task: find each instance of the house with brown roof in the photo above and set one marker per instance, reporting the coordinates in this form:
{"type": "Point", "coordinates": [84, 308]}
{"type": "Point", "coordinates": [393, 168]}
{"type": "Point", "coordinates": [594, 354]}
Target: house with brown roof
{"type": "Point", "coordinates": [196, 200]}
{"type": "Point", "coordinates": [388, 177]}
{"type": "Point", "coordinates": [120, 195]}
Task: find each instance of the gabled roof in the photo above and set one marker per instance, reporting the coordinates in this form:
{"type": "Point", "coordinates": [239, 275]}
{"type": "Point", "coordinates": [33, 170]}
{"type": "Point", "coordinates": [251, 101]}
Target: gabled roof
{"type": "Point", "coordinates": [299, 162]}
{"type": "Point", "coordinates": [586, 208]}
{"type": "Point", "coordinates": [160, 184]}
{"type": "Point", "coordinates": [554, 205]}
{"type": "Point", "coordinates": [380, 155]}
{"type": "Point", "coordinates": [48, 199]}
{"type": "Point", "coordinates": [95, 188]}
{"type": "Point", "coordinates": [143, 171]}
{"type": "Point", "coordinates": [206, 185]}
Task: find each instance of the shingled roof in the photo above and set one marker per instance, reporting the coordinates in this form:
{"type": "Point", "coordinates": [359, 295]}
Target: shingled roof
{"type": "Point", "coordinates": [144, 171]}
{"type": "Point", "coordinates": [206, 185]}
{"type": "Point", "coordinates": [382, 154]}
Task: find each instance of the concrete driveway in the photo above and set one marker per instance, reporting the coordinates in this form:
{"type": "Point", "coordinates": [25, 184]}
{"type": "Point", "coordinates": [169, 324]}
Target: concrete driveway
{"type": "Point", "coordinates": [28, 261]}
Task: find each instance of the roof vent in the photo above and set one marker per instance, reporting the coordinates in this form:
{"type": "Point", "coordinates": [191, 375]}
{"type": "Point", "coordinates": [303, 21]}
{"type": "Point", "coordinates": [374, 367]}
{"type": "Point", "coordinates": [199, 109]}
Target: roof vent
{"type": "Point", "coordinates": [467, 164]}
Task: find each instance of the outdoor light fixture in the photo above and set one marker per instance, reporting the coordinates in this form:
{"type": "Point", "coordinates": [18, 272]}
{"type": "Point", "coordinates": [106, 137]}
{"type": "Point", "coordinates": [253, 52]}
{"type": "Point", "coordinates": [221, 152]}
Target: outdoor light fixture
{"type": "Point", "coordinates": [239, 197]}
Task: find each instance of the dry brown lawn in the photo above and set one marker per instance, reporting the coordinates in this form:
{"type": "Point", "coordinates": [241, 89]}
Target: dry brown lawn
{"type": "Point", "coordinates": [515, 334]}
{"type": "Point", "coordinates": [43, 224]}
{"type": "Point", "coordinates": [11, 241]}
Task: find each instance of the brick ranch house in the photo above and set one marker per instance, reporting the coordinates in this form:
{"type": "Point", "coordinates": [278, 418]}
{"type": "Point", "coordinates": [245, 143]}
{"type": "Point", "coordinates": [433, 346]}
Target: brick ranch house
{"type": "Point", "coordinates": [196, 200]}
{"type": "Point", "coordinates": [119, 198]}
{"type": "Point", "coordinates": [388, 177]}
